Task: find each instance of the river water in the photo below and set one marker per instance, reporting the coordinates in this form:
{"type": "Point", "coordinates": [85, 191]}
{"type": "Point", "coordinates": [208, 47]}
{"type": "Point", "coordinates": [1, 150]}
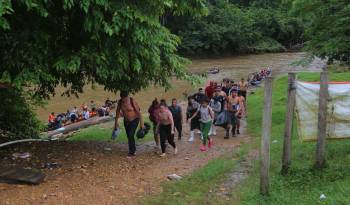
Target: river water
{"type": "Point", "coordinates": [234, 67]}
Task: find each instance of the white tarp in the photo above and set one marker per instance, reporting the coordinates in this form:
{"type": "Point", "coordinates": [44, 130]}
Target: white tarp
{"type": "Point", "coordinates": [338, 116]}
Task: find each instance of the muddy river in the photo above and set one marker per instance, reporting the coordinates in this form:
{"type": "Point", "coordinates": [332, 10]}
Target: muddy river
{"type": "Point", "coordinates": [234, 67]}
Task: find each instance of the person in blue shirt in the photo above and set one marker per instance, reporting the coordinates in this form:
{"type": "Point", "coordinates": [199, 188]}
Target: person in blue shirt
{"type": "Point", "coordinates": [176, 111]}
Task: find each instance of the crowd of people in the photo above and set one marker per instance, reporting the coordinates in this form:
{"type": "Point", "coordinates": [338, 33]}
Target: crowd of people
{"type": "Point", "coordinates": [84, 112]}
{"type": "Point", "coordinates": [256, 78]}
{"type": "Point", "coordinates": [219, 104]}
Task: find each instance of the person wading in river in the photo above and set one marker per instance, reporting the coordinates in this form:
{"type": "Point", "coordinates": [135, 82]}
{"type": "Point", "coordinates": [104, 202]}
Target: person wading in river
{"type": "Point", "coordinates": [165, 128]}
{"type": "Point", "coordinates": [176, 111]}
{"type": "Point", "coordinates": [206, 119]}
{"type": "Point", "coordinates": [234, 106]}
{"type": "Point", "coordinates": [132, 117]}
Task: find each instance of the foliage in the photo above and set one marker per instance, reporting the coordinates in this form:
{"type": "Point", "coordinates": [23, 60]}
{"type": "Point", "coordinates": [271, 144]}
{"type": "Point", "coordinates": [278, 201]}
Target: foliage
{"type": "Point", "coordinates": [238, 27]}
{"type": "Point", "coordinates": [327, 27]}
{"type": "Point", "coordinates": [303, 185]}
{"type": "Point", "coordinates": [17, 120]}
{"type": "Point", "coordinates": [118, 44]}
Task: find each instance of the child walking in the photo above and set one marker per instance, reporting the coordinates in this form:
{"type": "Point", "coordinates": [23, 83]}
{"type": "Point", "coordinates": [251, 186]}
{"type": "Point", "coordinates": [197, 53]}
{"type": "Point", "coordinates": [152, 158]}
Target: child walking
{"type": "Point", "coordinates": [206, 120]}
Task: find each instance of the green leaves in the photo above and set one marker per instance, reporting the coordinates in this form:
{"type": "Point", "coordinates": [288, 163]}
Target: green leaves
{"type": "Point", "coordinates": [238, 27]}
{"type": "Point", "coordinates": [119, 44]}
{"type": "Point", "coordinates": [327, 29]}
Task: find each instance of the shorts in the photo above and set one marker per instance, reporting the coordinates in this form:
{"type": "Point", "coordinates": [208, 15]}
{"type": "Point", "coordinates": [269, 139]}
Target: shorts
{"type": "Point", "coordinates": [231, 118]}
{"type": "Point", "coordinates": [194, 124]}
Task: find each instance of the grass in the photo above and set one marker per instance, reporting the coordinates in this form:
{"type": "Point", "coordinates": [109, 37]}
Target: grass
{"type": "Point", "coordinates": [103, 132]}
{"type": "Point", "coordinates": [303, 185]}
{"type": "Point", "coordinates": [195, 188]}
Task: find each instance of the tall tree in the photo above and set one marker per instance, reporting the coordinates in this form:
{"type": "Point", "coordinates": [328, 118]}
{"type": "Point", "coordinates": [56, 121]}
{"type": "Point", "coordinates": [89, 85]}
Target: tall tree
{"type": "Point", "coordinates": [118, 44]}
{"type": "Point", "coordinates": [327, 27]}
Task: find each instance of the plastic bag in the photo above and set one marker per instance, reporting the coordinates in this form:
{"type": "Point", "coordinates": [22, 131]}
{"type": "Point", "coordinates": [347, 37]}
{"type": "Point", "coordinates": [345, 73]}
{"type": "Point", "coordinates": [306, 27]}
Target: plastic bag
{"type": "Point", "coordinates": [221, 119]}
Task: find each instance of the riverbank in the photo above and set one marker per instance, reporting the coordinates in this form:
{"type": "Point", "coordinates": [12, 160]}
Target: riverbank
{"type": "Point", "coordinates": [234, 67]}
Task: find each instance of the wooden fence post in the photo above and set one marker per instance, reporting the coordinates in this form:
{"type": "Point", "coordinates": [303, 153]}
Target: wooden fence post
{"type": "Point", "coordinates": [322, 121]}
{"type": "Point", "coordinates": [265, 139]}
{"type": "Point", "coordinates": [287, 143]}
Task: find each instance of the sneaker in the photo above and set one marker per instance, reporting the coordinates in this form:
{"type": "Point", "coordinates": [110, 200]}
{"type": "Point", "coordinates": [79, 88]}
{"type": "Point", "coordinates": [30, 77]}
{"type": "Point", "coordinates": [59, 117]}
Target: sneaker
{"type": "Point", "coordinates": [191, 139]}
{"type": "Point", "coordinates": [214, 133]}
{"type": "Point", "coordinates": [162, 155]}
{"type": "Point", "coordinates": [131, 156]}
{"type": "Point", "coordinates": [210, 143]}
{"type": "Point", "coordinates": [199, 132]}
{"type": "Point", "coordinates": [210, 133]}
{"type": "Point", "coordinates": [203, 148]}
{"type": "Point", "coordinates": [175, 150]}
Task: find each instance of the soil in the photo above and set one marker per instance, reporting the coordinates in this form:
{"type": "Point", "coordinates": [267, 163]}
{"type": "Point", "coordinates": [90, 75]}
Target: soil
{"type": "Point", "coordinates": [90, 173]}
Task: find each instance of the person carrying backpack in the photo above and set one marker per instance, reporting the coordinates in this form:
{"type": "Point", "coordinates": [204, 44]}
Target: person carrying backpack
{"type": "Point", "coordinates": [206, 120]}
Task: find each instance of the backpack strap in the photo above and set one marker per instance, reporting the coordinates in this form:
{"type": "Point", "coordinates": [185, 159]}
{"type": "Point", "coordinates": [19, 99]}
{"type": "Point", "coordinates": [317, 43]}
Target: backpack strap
{"type": "Point", "coordinates": [210, 113]}
{"type": "Point", "coordinates": [133, 106]}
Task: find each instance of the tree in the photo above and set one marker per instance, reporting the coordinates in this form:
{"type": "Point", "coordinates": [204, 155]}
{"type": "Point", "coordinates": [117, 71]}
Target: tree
{"type": "Point", "coordinates": [237, 26]}
{"type": "Point", "coordinates": [327, 28]}
{"type": "Point", "coordinates": [118, 44]}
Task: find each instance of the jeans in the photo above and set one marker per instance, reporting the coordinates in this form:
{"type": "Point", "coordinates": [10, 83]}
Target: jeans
{"type": "Point", "coordinates": [178, 126]}
{"type": "Point", "coordinates": [130, 129]}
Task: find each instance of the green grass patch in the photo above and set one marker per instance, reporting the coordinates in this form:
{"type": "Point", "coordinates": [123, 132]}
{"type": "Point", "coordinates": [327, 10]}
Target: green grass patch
{"type": "Point", "coordinates": [103, 132]}
{"type": "Point", "coordinates": [303, 185]}
{"type": "Point", "coordinates": [194, 189]}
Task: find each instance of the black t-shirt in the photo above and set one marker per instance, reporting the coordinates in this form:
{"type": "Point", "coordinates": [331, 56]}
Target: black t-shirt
{"type": "Point", "coordinates": [176, 112]}
{"type": "Point", "coordinates": [226, 90]}
{"type": "Point", "coordinates": [199, 97]}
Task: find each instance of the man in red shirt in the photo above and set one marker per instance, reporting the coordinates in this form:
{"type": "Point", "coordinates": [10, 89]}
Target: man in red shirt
{"type": "Point", "coordinates": [209, 90]}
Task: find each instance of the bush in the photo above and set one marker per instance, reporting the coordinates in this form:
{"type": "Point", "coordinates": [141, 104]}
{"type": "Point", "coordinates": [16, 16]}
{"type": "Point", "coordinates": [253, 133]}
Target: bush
{"type": "Point", "coordinates": [17, 120]}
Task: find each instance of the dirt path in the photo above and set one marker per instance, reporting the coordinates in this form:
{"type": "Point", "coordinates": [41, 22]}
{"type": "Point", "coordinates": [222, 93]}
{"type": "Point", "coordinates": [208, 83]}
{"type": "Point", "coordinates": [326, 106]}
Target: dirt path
{"type": "Point", "coordinates": [91, 175]}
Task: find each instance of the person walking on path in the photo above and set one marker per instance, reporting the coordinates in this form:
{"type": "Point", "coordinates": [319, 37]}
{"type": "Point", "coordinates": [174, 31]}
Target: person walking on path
{"type": "Point", "coordinates": [165, 128]}
{"type": "Point", "coordinates": [215, 104]}
{"type": "Point", "coordinates": [234, 106]}
{"type": "Point", "coordinates": [199, 96]}
{"type": "Point", "coordinates": [243, 87]}
{"type": "Point", "coordinates": [206, 120]}
{"type": "Point", "coordinates": [176, 111]}
{"type": "Point", "coordinates": [209, 90]}
{"type": "Point", "coordinates": [132, 117]}
{"type": "Point", "coordinates": [194, 123]}
{"type": "Point", "coordinates": [153, 115]}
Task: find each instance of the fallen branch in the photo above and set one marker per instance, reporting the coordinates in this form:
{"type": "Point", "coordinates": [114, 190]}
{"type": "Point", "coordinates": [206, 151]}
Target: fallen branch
{"type": "Point", "coordinates": [20, 141]}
